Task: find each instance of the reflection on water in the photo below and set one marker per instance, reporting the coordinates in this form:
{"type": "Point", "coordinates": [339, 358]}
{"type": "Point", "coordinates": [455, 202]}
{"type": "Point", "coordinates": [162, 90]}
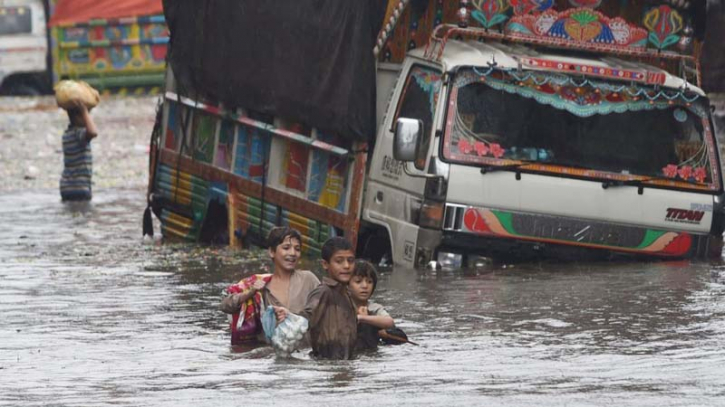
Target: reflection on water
{"type": "Point", "coordinates": [93, 315]}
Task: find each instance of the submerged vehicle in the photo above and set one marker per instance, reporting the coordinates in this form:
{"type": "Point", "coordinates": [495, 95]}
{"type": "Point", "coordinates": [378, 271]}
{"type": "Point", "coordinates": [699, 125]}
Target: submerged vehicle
{"type": "Point", "coordinates": [504, 129]}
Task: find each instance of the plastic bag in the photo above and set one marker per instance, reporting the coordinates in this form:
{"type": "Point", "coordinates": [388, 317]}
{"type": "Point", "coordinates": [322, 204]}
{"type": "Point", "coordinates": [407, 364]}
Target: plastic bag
{"type": "Point", "coordinates": [285, 336]}
{"type": "Point", "coordinates": [67, 92]}
{"type": "Point", "coordinates": [269, 323]}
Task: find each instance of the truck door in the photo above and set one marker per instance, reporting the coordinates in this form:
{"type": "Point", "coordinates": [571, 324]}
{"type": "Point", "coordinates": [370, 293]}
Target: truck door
{"type": "Point", "coordinates": [393, 198]}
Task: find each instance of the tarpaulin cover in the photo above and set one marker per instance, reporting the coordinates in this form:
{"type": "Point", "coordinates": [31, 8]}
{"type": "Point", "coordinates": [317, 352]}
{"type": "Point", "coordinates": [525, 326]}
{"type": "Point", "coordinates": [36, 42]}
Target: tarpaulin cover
{"type": "Point", "coordinates": [309, 61]}
{"type": "Point", "coordinates": [75, 11]}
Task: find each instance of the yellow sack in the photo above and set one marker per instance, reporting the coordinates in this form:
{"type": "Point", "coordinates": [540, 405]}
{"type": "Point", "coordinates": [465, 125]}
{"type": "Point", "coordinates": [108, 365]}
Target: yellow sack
{"type": "Point", "coordinates": [68, 91]}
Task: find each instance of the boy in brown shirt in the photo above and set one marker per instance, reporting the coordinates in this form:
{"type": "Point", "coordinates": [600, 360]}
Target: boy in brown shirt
{"type": "Point", "coordinates": [330, 311]}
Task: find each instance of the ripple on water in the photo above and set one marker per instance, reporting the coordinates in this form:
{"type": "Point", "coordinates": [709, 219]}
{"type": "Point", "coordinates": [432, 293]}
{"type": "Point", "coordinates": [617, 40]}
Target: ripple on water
{"type": "Point", "coordinates": [94, 315]}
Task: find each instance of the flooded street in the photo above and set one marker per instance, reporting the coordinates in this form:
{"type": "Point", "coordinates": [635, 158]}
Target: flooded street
{"type": "Point", "coordinates": [92, 314]}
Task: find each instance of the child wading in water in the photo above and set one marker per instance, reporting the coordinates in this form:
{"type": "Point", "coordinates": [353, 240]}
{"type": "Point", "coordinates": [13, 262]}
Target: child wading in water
{"type": "Point", "coordinates": [75, 182]}
{"type": "Point", "coordinates": [371, 316]}
{"type": "Point", "coordinates": [329, 308]}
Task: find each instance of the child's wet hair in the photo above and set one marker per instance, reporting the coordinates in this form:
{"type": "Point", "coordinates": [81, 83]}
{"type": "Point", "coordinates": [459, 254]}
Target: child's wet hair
{"type": "Point", "coordinates": [365, 269]}
{"type": "Point", "coordinates": [333, 245]}
{"type": "Point", "coordinates": [277, 235]}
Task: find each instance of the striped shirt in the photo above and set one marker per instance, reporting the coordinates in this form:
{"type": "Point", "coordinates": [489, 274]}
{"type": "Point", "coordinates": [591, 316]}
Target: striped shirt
{"type": "Point", "coordinates": [75, 183]}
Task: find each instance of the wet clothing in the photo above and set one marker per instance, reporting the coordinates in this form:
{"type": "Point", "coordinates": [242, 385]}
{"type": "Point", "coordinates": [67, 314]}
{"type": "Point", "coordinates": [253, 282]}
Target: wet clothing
{"type": "Point", "coordinates": [367, 335]}
{"type": "Point", "coordinates": [333, 321]}
{"type": "Point", "coordinates": [75, 182]}
{"type": "Point", "coordinates": [301, 283]}
{"type": "Point", "coordinates": [377, 310]}
{"type": "Point", "coordinates": [246, 326]}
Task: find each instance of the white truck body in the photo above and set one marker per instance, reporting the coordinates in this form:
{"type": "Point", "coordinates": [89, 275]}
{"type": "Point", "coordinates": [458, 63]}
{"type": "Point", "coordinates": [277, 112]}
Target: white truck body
{"type": "Point", "coordinates": [394, 194]}
{"type": "Point", "coordinates": [23, 39]}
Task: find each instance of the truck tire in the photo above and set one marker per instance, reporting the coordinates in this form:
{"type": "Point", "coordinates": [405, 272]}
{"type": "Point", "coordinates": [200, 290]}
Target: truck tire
{"type": "Point", "coordinates": [25, 85]}
{"type": "Point", "coordinates": [374, 245]}
{"type": "Point", "coordinates": [22, 89]}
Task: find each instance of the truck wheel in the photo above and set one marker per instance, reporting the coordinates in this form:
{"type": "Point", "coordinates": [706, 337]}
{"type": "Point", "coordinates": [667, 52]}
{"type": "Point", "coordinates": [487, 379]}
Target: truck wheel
{"type": "Point", "coordinates": [215, 228]}
{"type": "Point", "coordinates": [21, 89]}
{"type": "Point", "coordinates": [375, 246]}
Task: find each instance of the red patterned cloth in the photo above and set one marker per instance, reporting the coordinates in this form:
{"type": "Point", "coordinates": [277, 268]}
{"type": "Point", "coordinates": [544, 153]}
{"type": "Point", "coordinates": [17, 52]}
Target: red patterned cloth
{"type": "Point", "coordinates": [246, 324]}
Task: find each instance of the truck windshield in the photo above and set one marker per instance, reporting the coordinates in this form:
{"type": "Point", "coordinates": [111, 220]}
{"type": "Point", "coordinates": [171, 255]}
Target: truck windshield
{"type": "Point", "coordinates": [580, 127]}
{"type": "Point", "coordinates": [15, 20]}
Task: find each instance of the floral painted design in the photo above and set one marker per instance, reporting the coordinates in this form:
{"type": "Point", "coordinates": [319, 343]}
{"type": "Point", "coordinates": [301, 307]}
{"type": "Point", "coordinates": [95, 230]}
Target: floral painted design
{"type": "Point", "coordinates": [490, 13]}
{"type": "Point", "coordinates": [670, 171]}
{"type": "Point", "coordinates": [685, 172]}
{"type": "Point", "coordinates": [663, 24]}
{"type": "Point", "coordinates": [700, 174]}
{"type": "Point", "coordinates": [524, 7]}
{"type": "Point", "coordinates": [481, 148]}
{"type": "Point", "coordinates": [465, 147]}
{"type": "Point", "coordinates": [497, 151]}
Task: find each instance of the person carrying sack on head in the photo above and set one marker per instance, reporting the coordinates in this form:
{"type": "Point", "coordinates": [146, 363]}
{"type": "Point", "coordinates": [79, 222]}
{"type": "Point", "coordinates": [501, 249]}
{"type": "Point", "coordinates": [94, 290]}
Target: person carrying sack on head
{"type": "Point", "coordinates": [78, 99]}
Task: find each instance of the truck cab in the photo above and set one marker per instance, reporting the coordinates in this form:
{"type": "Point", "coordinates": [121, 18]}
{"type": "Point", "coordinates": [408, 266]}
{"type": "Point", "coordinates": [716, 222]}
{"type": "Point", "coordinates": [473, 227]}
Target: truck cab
{"type": "Point", "coordinates": [505, 150]}
{"type": "Point", "coordinates": [23, 46]}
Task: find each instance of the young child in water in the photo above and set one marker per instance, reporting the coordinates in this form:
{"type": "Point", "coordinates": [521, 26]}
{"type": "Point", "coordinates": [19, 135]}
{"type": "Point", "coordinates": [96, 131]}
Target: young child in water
{"type": "Point", "coordinates": [329, 309]}
{"type": "Point", "coordinates": [371, 317]}
{"type": "Point", "coordinates": [75, 182]}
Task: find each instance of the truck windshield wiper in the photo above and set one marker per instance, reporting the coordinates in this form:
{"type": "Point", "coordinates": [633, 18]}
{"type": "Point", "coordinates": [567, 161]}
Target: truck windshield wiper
{"type": "Point", "coordinates": [493, 168]}
{"type": "Point", "coordinates": [639, 183]}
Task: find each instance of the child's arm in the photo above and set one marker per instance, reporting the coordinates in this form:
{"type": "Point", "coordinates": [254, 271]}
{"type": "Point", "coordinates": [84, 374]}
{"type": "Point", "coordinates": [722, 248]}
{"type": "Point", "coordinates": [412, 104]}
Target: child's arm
{"type": "Point", "coordinates": [232, 303]}
{"type": "Point", "coordinates": [381, 321]}
{"type": "Point", "coordinates": [316, 305]}
{"type": "Point", "coordinates": [91, 130]}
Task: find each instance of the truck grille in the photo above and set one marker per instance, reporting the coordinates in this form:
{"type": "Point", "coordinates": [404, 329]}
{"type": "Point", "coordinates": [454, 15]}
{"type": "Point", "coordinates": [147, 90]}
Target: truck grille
{"type": "Point", "coordinates": [552, 228]}
{"type": "Point", "coordinates": [453, 219]}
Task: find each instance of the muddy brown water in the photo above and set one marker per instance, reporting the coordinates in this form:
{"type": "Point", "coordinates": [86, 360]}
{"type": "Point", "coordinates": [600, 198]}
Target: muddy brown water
{"type": "Point", "coordinates": [91, 314]}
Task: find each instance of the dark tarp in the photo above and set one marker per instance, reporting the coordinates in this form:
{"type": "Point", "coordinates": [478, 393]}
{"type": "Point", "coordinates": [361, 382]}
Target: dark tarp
{"type": "Point", "coordinates": [310, 61]}
{"type": "Point", "coordinates": [713, 63]}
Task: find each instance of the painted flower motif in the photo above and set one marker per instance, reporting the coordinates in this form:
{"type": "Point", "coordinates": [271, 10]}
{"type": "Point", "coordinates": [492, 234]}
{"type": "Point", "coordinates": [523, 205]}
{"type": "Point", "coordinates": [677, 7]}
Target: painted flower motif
{"type": "Point", "coordinates": [670, 171]}
{"type": "Point", "coordinates": [663, 24]}
{"type": "Point", "coordinates": [496, 150]}
{"type": "Point", "coordinates": [685, 172]}
{"type": "Point", "coordinates": [481, 148]}
{"type": "Point", "coordinates": [464, 146]}
{"type": "Point", "coordinates": [700, 174]}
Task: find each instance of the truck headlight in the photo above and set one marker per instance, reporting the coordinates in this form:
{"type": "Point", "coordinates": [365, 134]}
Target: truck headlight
{"type": "Point", "coordinates": [450, 260]}
{"type": "Point", "coordinates": [431, 214]}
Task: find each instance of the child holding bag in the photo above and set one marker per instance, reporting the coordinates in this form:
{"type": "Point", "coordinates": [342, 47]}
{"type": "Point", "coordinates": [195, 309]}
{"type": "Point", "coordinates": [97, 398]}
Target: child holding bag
{"type": "Point", "coordinates": [285, 287]}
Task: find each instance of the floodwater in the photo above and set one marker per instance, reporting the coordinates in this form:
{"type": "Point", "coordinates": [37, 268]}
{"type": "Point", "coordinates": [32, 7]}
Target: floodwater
{"type": "Point", "coordinates": [92, 314]}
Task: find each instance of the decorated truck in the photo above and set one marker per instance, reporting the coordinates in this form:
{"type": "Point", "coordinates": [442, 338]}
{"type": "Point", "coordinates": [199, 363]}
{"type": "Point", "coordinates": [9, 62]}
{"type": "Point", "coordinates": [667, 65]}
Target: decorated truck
{"type": "Point", "coordinates": [440, 131]}
{"type": "Point", "coordinates": [116, 46]}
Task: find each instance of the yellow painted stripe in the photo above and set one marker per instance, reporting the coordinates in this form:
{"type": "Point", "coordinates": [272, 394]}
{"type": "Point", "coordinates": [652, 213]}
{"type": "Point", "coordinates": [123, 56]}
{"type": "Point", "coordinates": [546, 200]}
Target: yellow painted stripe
{"type": "Point", "coordinates": [172, 231]}
{"type": "Point", "coordinates": [180, 221]}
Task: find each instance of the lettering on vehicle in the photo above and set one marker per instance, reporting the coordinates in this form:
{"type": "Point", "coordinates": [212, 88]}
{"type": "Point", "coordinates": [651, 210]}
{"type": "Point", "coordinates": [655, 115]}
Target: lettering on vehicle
{"type": "Point", "coordinates": [701, 207]}
{"type": "Point", "coordinates": [684, 216]}
{"type": "Point", "coordinates": [408, 249]}
{"type": "Point", "coordinates": [391, 167]}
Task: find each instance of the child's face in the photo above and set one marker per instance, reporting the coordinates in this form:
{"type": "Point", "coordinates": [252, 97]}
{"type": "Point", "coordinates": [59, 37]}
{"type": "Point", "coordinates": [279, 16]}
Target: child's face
{"type": "Point", "coordinates": [340, 265]}
{"type": "Point", "coordinates": [361, 288]}
{"type": "Point", "coordinates": [286, 255]}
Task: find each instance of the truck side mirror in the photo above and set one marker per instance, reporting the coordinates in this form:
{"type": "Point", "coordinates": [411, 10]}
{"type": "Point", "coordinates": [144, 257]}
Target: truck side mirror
{"type": "Point", "coordinates": [405, 141]}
